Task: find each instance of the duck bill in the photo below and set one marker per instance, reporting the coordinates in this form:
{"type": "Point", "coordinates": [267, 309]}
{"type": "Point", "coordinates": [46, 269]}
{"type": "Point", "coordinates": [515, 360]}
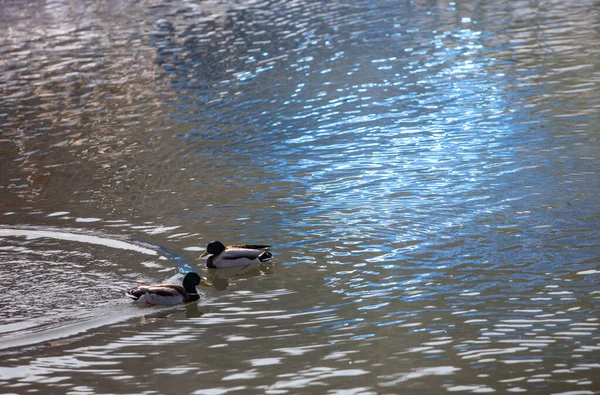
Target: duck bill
{"type": "Point", "coordinates": [205, 283]}
{"type": "Point", "coordinates": [205, 253]}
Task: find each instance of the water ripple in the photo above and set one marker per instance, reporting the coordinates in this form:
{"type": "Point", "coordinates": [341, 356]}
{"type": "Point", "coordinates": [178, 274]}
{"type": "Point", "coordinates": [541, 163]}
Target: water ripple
{"type": "Point", "coordinates": [427, 173]}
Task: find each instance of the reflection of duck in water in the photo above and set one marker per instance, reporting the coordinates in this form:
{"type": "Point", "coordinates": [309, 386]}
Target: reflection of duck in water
{"type": "Point", "coordinates": [169, 294]}
{"type": "Point", "coordinates": [221, 279]}
{"type": "Point", "coordinates": [221, 257]}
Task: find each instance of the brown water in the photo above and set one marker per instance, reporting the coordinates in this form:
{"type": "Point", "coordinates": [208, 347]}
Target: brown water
{"type": "Point", "coordinates": [428, 173]}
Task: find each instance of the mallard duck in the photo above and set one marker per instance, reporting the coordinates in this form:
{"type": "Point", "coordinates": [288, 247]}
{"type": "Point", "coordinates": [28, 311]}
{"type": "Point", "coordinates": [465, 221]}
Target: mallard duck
{"type": "Point", "coordinates": [221, 257]}
{"type": "Point", "coordinates": [169, 294]}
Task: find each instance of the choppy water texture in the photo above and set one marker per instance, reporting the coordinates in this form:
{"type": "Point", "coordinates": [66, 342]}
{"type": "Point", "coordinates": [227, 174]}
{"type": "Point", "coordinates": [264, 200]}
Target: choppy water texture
{"type": "Point", "coordinates": [427, 171]}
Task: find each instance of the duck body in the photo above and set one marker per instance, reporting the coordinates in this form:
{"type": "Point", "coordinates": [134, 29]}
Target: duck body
{"type": "Point", "coordinates": [162, 294]}
{"type": "Point", "coordinates": [169, 294]}
{"type": "Point", "coordinates": [221, 257]}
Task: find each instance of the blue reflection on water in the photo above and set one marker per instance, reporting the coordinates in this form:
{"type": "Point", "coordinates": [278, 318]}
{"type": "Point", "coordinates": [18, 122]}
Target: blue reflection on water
{"type": "Point", "coordinates": [381, 163]}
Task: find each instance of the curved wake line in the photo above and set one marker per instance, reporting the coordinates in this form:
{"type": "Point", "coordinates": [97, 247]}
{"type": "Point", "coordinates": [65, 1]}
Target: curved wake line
{"type": "Point", "coordinates": [118, 242]}
{"type": "Point", "coordinates": [64, 332]}
{"type": "Point", "coordinates": [78, 237]}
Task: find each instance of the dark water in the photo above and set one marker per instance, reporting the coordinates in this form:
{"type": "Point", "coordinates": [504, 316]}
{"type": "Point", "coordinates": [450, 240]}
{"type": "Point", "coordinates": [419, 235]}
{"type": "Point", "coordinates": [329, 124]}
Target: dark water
{"type": "Point", "coordinates": [427, 171]}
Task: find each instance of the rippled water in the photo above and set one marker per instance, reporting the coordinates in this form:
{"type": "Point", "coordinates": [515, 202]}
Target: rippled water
{"type": "Point", "coordinates": [427, 172]}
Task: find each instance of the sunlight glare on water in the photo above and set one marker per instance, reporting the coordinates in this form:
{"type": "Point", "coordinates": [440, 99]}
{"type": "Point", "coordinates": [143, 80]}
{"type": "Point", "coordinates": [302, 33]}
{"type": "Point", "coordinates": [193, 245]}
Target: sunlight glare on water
{"type": "Point", "coordinates": [427, 174]}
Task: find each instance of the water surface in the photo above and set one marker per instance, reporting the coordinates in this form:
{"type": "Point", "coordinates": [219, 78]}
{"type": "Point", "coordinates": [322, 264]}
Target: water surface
{"type": "Point", "coordinates": [427, 172]}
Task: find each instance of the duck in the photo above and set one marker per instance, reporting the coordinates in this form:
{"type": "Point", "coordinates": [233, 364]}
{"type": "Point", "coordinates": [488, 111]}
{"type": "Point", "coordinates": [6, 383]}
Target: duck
{"type": "Point", "coordinates": [222, 257]}
{"type": "Point", "coordinates": [169, 294]}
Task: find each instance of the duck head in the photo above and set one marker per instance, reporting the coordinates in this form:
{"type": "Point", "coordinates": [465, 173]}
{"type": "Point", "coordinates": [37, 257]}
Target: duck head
{"type": "Point", "coordinates": [214, 248]}
{"type": "Point", "coordinates": [192, 280]}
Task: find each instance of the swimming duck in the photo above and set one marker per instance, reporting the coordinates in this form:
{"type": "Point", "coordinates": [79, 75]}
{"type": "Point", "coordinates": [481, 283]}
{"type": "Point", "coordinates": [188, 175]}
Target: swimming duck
{"type": "Point", "coordinates": [169, 294]}
{"type": "Point", "coordinates": [222, 257]}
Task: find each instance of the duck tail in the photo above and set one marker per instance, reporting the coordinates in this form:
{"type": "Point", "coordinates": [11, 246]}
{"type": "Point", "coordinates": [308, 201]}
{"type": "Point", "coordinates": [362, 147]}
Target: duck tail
{"type": "Point", "coordinates": [132, 294]}
{"type": "Point", "coordinates": [137, 292]}
{"type": "Point", "coordinates": [265, 256]}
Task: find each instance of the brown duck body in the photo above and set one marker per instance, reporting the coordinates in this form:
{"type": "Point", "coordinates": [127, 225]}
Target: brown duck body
{"type": "Point", "coordinates": [162, 294]}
